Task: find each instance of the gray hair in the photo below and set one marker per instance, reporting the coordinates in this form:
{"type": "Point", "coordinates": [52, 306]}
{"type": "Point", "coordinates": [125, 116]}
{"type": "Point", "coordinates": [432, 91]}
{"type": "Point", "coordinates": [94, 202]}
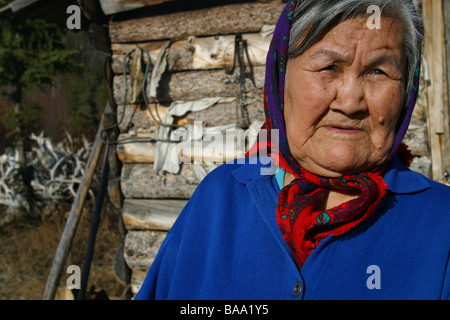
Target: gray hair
{"type": "Point", "coordinates": [313, 18]}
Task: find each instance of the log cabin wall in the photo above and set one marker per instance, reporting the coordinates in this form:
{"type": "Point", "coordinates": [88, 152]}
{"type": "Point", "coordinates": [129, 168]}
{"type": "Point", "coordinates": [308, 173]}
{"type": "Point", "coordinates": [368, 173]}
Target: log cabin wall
{"type": "Point", "coordinates": [192, 54]}
{"type": "Point", "coordinates": [189, 54]}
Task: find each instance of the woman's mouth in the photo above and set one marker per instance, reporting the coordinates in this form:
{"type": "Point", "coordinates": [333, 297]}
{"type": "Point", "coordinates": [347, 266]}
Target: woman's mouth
{"type": "Point", "coordinates": [343, 129]}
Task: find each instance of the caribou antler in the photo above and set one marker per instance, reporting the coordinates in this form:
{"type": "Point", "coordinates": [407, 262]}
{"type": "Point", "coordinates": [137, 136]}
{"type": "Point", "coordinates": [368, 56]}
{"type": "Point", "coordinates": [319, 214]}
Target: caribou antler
{"type": "Point", "coordinates": [57, 169]}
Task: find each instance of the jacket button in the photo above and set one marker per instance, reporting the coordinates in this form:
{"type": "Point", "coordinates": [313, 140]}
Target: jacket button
{"type": "Point", "coordinates": [297, 289]}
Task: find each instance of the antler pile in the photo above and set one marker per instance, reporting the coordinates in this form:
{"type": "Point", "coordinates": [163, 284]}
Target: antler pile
{"type": "Point", "coordinates": [53, 171]}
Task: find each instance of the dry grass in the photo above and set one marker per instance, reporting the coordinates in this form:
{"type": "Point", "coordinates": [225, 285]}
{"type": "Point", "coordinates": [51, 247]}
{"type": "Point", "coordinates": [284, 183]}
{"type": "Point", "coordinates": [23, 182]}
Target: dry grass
{"type": "Point", "coordinates": [28, 248]}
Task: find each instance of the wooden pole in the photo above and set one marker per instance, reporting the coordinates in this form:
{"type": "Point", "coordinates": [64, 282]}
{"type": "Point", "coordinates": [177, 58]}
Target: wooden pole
{"type": "Point", "coordinates": [435, 57]}
{"type": "Point", "coordinates": [94, 227]}
{"type": "Point", "coordinates": [72, 222]}
{"type": "Point", "coordinates": [446, 138]}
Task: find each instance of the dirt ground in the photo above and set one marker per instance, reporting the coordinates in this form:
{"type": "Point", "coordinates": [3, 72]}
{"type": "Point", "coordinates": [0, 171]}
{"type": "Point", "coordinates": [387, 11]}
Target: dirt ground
{"type": "Point", "coordinates": [28, 247]}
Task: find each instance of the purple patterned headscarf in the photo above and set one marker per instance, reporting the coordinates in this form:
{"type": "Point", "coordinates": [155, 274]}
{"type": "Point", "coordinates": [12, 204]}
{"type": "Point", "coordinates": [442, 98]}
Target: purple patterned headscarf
{"type": "Point", "coordinates": [274, 95]}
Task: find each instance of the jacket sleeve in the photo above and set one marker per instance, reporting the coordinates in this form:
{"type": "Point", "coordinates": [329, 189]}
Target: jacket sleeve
{"type": "Point", "coordinates": [445, 295]}
{"type": "Point", "coordinates": [156, 285]}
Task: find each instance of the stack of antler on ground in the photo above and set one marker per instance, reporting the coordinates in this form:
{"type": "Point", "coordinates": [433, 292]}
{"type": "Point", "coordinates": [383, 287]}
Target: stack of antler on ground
{"type": "Point", "coordinates": [53, 171]}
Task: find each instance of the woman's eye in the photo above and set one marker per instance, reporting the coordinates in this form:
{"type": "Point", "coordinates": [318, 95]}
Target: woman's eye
{"type": "Point", "coordinates": [378, 71]}
{"type": "Point", "coordinates": [331, 67]}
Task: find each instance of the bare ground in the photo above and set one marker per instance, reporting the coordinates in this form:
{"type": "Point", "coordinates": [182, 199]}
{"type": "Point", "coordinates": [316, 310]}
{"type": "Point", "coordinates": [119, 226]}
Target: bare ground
{"type": "Point", "coordinates": [28, 246]}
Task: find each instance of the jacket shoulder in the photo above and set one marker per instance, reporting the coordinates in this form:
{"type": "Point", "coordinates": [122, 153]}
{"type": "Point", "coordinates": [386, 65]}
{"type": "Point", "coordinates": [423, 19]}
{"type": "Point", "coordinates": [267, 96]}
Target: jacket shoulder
{"type": "Point", "coordinates": [241, 170]}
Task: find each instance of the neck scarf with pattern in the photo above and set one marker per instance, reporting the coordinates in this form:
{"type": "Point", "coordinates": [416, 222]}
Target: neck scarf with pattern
{"type": "Point", "coordinates": [301, 214]}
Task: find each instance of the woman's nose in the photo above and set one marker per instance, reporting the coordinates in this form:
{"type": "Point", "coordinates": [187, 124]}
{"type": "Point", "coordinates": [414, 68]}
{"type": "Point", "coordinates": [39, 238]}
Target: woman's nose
{"type": "Point", "coordinates": [349, 98]}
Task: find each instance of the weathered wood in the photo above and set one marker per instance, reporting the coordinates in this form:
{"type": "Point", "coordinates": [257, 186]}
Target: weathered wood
{"type": "Point", "coordinates": [141, 247]}
{"type": "Point", "coordinates": [216, 151]}
{"type": "Point", "coordinates": [64, 293]}
{"type": "Point", "coordinates": [65, 243]}
{"type": "Point", "coordinates": [115, 165]}
{"type": "Point", "coordinates": [197, 53]}
{"type": "Point", "coordinates": [92, 10]}
{"type": "Point", "coordinates": [141, 181]}
{"type": "Point", "coordinates": [228, 19]}
{"type": "Point", "coordinates": [120, 267]}
{"type": "Point", "coordinates": [114, 192]}
{"type": "Point", "coordinates": [140, 117]}
{"type": "Point", "coordinates": [195, 85]}
{"type": "Point", "coordinates": [446, 140]}
{"type": "Point", "coordinates": [137, 279]}
{"type": "Point", "coordinates": [149, 214]}
{"type": "Point", "coordinates": [135, 152]}
{"type": "Point", "coordinates": [217, 115]}
{"type": "Point", "coordinates": [419, 115]}
{"type": "Point", "coordinates": [218, 52]}
{"type": "Point", "coordinates": [210, 151]}
{"type": "Point", "coordinates": [120, 50]}
{"type": "Point", "coordinates": [416, 138]}
{"type": "Point", "coordinates": [110, 133]}
{"type": "Point", "coordinates": [435, 57]}
{"type": "Point", "coordinates": [422, 164]}
{"type": "Point", "coordinates": [225, 113]}
{"type": "Point", "coordinates": [116, 6]}
{"type": "Point", "coordinates": [108, 76]}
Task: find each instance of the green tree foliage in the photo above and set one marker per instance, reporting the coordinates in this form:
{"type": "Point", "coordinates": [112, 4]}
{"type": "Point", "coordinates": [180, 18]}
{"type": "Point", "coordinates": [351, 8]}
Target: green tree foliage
{"type": "Point", "coordinates": [32, 54]}
{"type": "Point", "coordinates": [87, 90]}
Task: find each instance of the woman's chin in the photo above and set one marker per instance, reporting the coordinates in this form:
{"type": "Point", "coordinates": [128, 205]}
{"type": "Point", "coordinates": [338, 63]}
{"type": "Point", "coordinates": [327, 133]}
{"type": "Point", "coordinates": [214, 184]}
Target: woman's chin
{"type": "Point", "coordinates": [335, 161]}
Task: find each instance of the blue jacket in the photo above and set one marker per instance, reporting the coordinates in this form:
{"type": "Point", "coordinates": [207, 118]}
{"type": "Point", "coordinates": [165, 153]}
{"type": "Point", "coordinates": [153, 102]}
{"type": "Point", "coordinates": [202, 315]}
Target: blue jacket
{"type": "Point", "coordinates": [226, 245]}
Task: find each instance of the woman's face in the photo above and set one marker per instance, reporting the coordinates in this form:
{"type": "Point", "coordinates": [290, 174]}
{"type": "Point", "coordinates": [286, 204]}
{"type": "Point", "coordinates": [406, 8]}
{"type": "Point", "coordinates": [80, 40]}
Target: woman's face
{"type": "Point", "coordinates": [343, 97]}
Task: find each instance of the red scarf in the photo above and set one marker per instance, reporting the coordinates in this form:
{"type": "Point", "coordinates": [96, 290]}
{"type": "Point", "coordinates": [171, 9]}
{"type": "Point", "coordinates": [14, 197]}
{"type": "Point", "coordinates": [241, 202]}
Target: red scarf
{"type": "Point", "coordinates": [303, 220]}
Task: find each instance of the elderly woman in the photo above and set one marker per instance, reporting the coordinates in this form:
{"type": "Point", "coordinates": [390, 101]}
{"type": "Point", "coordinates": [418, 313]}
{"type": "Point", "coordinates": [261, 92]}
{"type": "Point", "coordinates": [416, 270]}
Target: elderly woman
{"type": "Point", "coordinates": [342, 217]}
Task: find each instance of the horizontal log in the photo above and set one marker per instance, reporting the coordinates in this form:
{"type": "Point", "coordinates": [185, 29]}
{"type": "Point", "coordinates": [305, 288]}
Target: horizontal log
{"type": "Point", "coordinates": [416, 138]}
{"type": "Point", "coordinates": [197, 53]}
{"type": "Point", "coordinates": [218, 52]}
{"type": "Point", "coordinates": [120, 50]}
{"type": "Point", "coordinates": [422, 164]}
{"type": "Point", "coordinates": [148, 214]}
{"type": "Point", "coordinates": [137, 151]}
{"type": "Point", "coordinates": [226, 113]}
{"type": "Point", "coordinates": [142, 119]}
{"type": "Point", "coordinates": [194, 85]}
{"type": "Point", "coordinates": [135, 117]}
{"type": "Point", "coordinates": [137, 279]}
{"type": "Point", "coordinates": [141, 247]}
{"type": "Point", "coordinates": [228, 19]}
{"type": "Point", "coordinates": [210, 151]}
{"type": "Point", "coordinates": [141, 181]}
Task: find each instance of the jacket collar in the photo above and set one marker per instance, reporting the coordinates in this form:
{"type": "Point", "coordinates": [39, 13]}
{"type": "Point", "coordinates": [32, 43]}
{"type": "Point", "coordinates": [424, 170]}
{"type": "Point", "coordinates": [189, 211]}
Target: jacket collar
{"type": "Point", "coordinates": [253, 169]}
{"type": "Point", "coordinates": [402, 180]}
{"type": "Point", "coordinates": [399, 179]}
